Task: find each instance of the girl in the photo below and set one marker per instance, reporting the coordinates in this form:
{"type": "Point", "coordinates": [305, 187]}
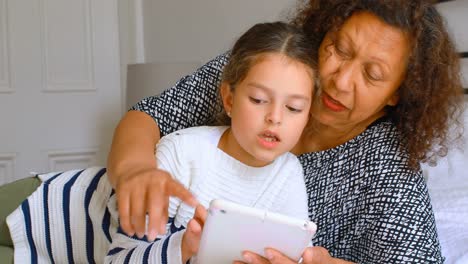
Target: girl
{"type": "Point", "coordinates": [266, 91]}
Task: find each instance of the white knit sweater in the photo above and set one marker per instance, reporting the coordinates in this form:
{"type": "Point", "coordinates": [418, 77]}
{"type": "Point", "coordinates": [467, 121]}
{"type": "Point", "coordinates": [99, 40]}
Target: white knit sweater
{"type": "Point", "coordinates": [193, 158]}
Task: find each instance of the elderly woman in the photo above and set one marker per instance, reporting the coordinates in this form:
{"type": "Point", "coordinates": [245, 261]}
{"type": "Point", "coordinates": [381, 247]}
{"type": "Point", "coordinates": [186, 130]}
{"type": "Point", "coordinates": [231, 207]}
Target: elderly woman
{"type": "Point", "coordinates": [390, 89]}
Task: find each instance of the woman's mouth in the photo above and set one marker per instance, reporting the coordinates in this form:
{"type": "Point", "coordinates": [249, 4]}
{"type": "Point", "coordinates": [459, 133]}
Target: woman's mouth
{"type": "Point", "coordinates": [331, 103]}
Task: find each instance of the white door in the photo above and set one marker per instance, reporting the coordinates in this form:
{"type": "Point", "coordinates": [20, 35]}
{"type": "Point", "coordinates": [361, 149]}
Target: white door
{"type": "Point", "coordinates": [60, 92]}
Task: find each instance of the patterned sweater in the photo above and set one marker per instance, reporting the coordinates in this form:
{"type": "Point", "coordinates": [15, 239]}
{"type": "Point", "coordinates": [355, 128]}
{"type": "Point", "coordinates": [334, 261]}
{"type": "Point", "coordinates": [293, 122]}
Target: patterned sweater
{"type": "Point", "coordinates": [370, 207]}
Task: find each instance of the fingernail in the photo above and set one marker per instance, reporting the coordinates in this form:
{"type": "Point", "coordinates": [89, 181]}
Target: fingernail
{"type": "Point", "coordinates": [151, 235]}
{"type": "Point", "coordinates": [268, 254]}
{"type": "Point", "coordinates": [128, 232]}
{"type": "Point", "coordinates": [247, 258]}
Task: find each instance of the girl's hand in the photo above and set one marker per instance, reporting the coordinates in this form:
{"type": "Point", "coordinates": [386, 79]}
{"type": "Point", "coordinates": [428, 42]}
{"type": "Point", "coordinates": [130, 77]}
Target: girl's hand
{"type": "Point", "coordinates": [311, 255]}
{"type": "Point", "coordinates": [192, 235]}
{"type": "Point", "coordinates": [145, 191]}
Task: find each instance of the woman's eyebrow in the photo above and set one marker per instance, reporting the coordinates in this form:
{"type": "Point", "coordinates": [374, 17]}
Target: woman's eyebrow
{"type": "Point", "coordinates": [380, 60]}
{"type": "Point", "coordinates": [346, 36]}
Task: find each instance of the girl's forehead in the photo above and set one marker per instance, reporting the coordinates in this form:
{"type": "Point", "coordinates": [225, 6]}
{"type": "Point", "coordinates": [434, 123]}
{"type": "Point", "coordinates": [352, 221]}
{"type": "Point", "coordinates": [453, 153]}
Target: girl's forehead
{"type": "Point", "coordinates": [288, 57]}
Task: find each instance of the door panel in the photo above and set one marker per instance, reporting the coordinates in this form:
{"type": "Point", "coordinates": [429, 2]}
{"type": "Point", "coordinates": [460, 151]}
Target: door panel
{"type": "Point", "coordinates": [60, 92]}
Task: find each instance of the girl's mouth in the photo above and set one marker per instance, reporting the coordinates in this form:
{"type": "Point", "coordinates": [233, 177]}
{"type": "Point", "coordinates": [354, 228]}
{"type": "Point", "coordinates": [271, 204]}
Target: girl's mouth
{"type": "Point", "coordinates": [268, 139]}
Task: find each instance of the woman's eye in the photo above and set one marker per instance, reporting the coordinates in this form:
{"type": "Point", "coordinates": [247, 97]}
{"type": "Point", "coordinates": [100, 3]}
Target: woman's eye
{"type": "Point", "coordinates": [373, 76]}
{"type": "Point", "coordinates": [294, 109]}
{"type": "Point", "coordinates": [341, 52]}
{"type": "Point", "coordinates": [256, 100]}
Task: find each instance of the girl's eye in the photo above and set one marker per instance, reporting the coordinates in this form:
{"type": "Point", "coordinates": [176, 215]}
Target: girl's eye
{"type": "Point", "coordinates": [256, 100]}
{"type": "Point", "coordinates": [293, 109]}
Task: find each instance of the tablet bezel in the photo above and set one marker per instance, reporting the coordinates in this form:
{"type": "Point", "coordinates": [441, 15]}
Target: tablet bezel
{"type": "Point", "coordinates": [231, 228]}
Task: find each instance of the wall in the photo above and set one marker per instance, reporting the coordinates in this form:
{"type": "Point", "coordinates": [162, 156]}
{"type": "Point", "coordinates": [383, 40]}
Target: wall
{"type": "Point", "coordinates": [164, 40]}
{"type": "Point", "coordinates": [180, 30]}
{"type": "Point", "coordinates": [147, 79]}
{"type": "Point", "coordinates": [455, 165]}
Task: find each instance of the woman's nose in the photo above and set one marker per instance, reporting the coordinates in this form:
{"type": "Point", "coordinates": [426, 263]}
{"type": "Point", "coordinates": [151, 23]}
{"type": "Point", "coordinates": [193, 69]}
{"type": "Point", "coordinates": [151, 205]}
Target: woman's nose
{"type": "Point", "coordinates": [343, 76]}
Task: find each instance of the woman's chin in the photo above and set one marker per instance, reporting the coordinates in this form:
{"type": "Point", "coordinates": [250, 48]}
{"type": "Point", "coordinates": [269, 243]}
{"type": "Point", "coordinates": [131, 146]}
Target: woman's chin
{"type": "Point", "coordinates": [324, 119]}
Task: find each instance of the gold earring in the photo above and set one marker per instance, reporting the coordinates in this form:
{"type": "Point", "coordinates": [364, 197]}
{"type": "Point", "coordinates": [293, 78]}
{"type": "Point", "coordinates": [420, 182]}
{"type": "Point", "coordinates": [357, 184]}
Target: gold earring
{"type": "Point", "coordinates": [229, 113]}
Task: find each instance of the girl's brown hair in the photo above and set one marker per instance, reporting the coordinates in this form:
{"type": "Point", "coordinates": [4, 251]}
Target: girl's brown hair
{"type": "Point", "coordinates": [431, 100]}
{"type": "Point", "coordinates": [263, 38]}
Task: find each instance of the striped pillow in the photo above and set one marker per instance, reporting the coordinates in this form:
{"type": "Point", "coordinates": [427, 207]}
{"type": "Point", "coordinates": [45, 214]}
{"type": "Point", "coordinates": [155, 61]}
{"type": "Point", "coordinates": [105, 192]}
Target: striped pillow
{"type": "Point", "coordinates": [66, 220]}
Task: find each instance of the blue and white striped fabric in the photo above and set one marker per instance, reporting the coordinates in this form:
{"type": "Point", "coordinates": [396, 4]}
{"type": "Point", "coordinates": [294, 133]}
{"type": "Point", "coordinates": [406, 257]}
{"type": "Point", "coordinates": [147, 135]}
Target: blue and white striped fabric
{"type": "Point", "coordinates": [66, 220]}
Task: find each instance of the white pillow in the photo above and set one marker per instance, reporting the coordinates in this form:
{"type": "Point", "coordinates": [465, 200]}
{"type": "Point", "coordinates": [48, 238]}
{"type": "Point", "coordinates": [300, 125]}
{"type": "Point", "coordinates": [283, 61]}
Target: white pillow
{"type": "Point", "coordinates": [449, 196]}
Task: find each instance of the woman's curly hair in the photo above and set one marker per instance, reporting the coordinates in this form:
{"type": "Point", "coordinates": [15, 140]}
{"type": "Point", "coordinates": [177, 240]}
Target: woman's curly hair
{"type": "Point", "coordinates": [431, 101]}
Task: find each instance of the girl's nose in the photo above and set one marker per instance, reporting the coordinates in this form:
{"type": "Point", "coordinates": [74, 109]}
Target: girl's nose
{"type": "Point", "coordinates": [274, 116]}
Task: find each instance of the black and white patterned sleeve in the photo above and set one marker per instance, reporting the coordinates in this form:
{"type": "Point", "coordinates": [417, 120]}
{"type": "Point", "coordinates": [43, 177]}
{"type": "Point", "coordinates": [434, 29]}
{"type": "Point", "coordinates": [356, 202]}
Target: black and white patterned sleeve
{"type": "Point", "coordinates": [403, 229]}
{"type": "Point", "coordinates": [369, 205]}
{"type": "Point", "coordinates": [192, 101]}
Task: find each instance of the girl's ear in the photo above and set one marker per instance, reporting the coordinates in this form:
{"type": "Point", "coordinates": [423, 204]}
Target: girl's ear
{"type": "Point", "coordinates": [227, 96]}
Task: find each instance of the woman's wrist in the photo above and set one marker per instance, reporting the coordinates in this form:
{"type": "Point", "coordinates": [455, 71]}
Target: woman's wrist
{"type": "Point", "coordinates": [133, 146]}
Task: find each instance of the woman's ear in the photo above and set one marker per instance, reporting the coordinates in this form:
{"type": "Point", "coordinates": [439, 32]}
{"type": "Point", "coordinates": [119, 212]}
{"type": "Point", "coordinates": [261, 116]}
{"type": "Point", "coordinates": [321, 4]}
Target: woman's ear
{"type": "Point", "coordinates": [227, 96]}
{"type": "Point", "coordinates": [394, 99]}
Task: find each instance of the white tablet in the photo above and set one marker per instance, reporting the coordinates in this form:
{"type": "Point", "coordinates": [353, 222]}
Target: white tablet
{"type": "Point", "coordinates": [231, 229]}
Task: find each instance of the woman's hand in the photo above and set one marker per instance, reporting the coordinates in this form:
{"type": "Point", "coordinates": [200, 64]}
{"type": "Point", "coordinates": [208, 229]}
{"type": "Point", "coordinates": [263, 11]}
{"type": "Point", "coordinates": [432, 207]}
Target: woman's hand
{"type": "Point", "coordinates": [311, 255]}
{"type": "Point", "coordinates": [140, 187]}
{"type": "Point", "coordinates": [192, 235]}
{"type": "Point", "coordinates": [145, 191]}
